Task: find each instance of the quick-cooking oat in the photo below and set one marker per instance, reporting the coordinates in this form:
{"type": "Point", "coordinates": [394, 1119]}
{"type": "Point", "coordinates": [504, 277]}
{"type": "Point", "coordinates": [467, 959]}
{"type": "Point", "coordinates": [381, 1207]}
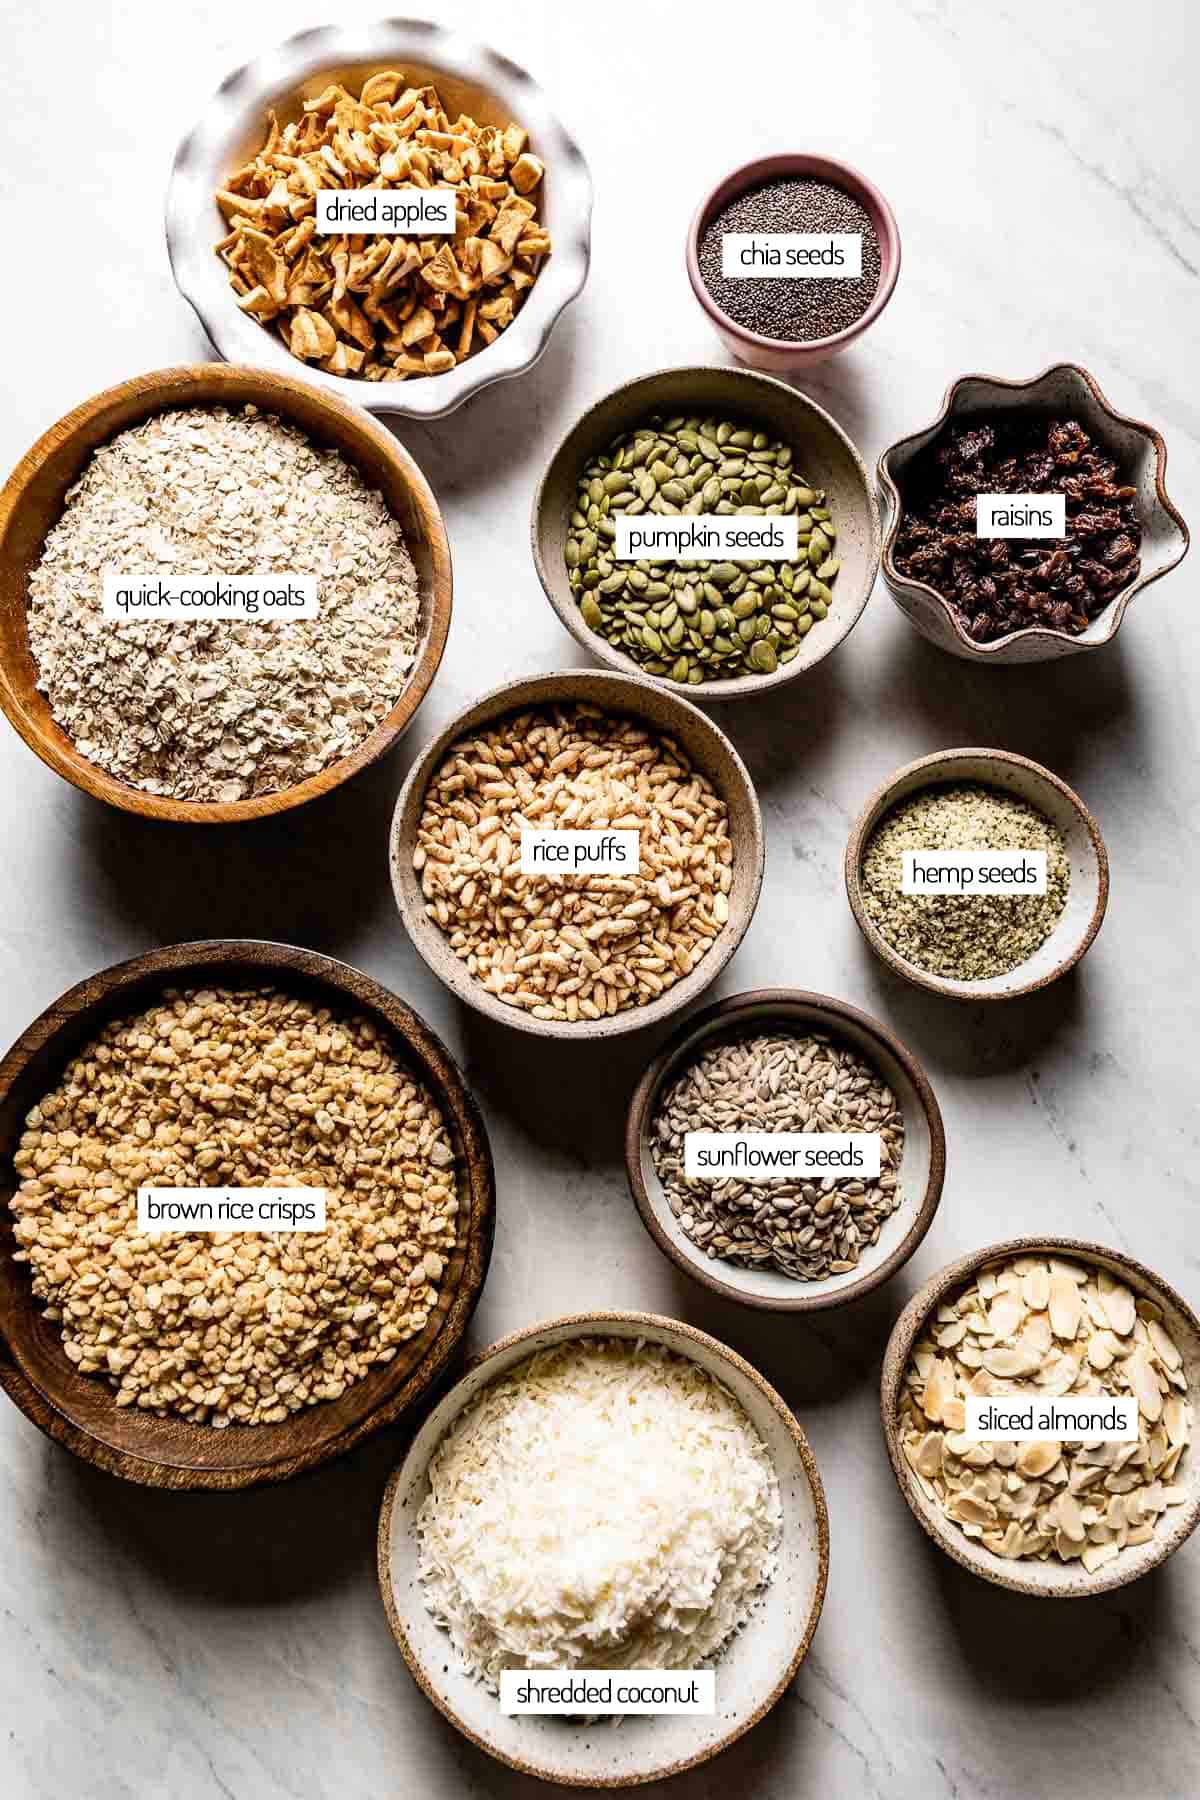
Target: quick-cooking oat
{"type": "Point", "coordinates": [222, 709]}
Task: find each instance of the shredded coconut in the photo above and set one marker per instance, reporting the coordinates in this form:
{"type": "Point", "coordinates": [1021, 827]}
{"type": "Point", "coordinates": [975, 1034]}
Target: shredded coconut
{"type": "Point", "coordinates": [222, 709]}
{"type": "Point", "coordinates": [606, 1505]}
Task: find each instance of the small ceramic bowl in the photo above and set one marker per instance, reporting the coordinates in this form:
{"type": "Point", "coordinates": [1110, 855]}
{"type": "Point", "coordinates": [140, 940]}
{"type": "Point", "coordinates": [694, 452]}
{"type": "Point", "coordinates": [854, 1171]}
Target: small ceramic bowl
{"type": "Point", "coordinates": [32, 502]}
{"type": "Point", "coordinates": [470, 78]}
{"type": "Point", "coordinates": [822, 451]}
{"type": "Point", "coordinates": [1063, 391]}
{"type": "Point", "coordinates": [922, 1166]}
{"type": "Point", "coordinates": [710, 751]}
{"type": "Point", "coordinates": [1087, 897]}
{"type": "Point", "coordinates": [776, 354]}
{"type": "Point", "coordinates": [1052, 1579]}
{"type": "Point", "coordinates": [80, 1411]}
{"type": "Point", "coordinates": [754, 1671]}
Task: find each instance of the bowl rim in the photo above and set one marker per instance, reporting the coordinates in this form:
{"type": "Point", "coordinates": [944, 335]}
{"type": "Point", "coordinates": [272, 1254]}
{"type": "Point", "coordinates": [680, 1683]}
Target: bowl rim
{"type": "Point", "coordinates": [346, 986]}
{"type": "Point", "coordinates": [538, 690]}
{"type": "Point", "coordinates": [164, 389]}
{"type": "Point", "coordinates": [940, 768]}
{"type": "Point", "coordinates": [589, 1324]}
{"type": "Point", "coordinates": [1046, 634]}
{"type": "Point", "coordinates": [739, 687]}
{"type": "Point", "coordinates": [731, 1011]}
{"type": "Point", "coordinates": [297, 59]}
{"type": "Point", "coordinates": [838, 174]}
{"type": "Point", "coordinates": [903, 1336]}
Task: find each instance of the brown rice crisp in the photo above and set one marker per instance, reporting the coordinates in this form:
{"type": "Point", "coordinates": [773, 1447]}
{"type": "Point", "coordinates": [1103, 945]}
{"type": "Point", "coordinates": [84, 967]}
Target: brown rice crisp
{"type": "Point", "coordinates": [235, 1088]}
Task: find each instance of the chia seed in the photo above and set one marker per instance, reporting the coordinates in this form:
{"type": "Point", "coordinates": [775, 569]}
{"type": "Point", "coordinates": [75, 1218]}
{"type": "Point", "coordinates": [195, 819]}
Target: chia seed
{"type": "Point", "coordinates": [803, 310]}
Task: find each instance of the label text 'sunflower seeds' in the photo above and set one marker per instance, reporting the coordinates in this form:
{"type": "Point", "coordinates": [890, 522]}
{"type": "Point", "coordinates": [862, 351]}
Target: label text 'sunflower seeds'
{"type": "Point", "coordinates": [779, 1155]}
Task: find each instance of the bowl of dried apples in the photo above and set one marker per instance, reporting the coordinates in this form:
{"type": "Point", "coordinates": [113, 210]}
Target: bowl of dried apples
{"type": "Point", "coordinates": [391, 209]}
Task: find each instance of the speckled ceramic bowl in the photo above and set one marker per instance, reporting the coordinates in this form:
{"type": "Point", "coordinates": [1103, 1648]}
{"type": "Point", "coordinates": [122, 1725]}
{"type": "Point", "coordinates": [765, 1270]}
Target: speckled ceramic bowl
{"type": "Point", "coordinates": [922, 1166]}
{"type": "Point", "coordinates": [822, 451]}
{"type": "Point", "coordinates": [777, 354]}
{"type": "Point", "coordinates": [471, 78]}
{"type": "Point", "coordinates": [711, 752]}
{"type": "Point", "coordinates": [1065, 390]}
{"type": "Point", "coordinates": [1052, 1579]}
{"type": "Point", "coordinates": [1087, 896]}
{"type": "Point", "coordinates": [751, 1676]}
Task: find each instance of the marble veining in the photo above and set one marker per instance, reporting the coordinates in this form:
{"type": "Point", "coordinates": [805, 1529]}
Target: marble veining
{"type": "Point", "coordinates": [1041, 165]}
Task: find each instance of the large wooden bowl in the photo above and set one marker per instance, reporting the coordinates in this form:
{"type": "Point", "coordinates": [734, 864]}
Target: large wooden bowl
{"type": "Point", "coordinates": [32, 502]}
{"type": "Point", "coordinates": [80, 1411]}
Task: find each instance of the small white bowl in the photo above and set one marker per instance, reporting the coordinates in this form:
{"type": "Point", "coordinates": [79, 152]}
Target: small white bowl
{"type": "Point", "coordinates": [1087, 897]}
{"type": "Point", "coordinates": [754, 1671]}
{"type": "Point", "coordinates": [922, 1165]}
{"type": "Point", "coordinates": [470, 76]}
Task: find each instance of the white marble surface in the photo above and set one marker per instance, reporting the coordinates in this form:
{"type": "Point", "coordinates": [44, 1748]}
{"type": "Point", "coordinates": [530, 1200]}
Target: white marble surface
{"type": "Point", "coordinates": [1042, 166]}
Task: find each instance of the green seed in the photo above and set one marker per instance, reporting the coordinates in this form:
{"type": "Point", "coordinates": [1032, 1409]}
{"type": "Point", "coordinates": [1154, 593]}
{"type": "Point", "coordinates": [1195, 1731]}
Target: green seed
{"type": "Point", "coordinates": [591, 613]}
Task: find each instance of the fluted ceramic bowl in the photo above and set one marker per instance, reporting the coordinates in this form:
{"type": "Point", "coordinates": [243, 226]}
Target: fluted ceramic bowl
{"type": "Point", "coordinates": [1063, 391]}
{"type": "Point", "coordinates": [470, 78]}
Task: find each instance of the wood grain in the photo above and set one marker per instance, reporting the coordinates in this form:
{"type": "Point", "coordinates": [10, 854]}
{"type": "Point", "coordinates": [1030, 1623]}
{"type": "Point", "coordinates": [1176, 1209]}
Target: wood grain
{"type": "Point", "coordinates": [80, 1411]}
{"type": "Point", "coordinates": [32, 502]}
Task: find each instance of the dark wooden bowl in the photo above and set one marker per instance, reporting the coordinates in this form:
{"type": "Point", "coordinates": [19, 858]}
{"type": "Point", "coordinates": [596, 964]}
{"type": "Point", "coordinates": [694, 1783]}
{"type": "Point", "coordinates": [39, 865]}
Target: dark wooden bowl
{"type": "Point", "coordinates": [80, 1411]}
{"type": "Point", "coordinates": [32, 502]}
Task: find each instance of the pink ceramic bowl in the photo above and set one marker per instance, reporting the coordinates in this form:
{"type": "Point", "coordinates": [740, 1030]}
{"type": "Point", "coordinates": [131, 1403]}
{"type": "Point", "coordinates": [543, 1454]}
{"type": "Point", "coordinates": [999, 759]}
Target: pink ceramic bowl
{"type": "Point", "coordinates": [779, 354]}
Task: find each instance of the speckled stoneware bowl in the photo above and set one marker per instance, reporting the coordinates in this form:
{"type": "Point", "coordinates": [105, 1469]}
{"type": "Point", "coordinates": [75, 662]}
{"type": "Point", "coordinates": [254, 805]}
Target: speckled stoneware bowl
{"type": "Point", "coordinates": [779, 354]}
{"type": "Point", "coordinates": [1052, 1579]}
{"type": "Point", "coordinates": [922, 1166]}
{"type": "Point", "coordinates": [753, 1673]}
{"type": "Point", "coordinates": [1062, 391]}
{"type": "Point", "coordinates": [1087, 896]}
{"type": "Point", "coordinates": [710, 751]}
{"type": "Point", "coordinates": [822, 450]}
{"type": "Point", "coordinates": [471, 78]}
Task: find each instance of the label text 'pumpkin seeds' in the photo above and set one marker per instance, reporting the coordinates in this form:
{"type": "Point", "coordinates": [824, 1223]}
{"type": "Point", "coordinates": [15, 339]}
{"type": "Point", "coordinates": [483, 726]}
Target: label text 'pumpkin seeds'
{"type": "Point", "coordinates": [737, 537]}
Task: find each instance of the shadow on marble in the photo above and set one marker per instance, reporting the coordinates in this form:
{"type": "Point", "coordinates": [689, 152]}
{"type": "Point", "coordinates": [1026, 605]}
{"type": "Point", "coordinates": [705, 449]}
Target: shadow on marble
{"type": "Point", "coordinates": [814, 1360]}
{"type": "Point", "coordinates": [483, 445]}
{"type": "Point", "coordinates": [569, 1098]}
{"type": "Point", "coordinates": [1054, 712]}
{"type": "Point", "coordinates": [261, 1547]}
{"type": "Point", "coordinates": [982, 1039]}
{"type": "Point", "coordinates": [790, 733]}
{"type": "Point", "coordinates": [317, 876]}
{"type": "Point", "coordinates": [1041, 1651]}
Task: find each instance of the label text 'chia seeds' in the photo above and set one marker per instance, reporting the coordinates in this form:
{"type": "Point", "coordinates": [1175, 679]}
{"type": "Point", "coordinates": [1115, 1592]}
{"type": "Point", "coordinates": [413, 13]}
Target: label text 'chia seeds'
{"type": "Point", "coordinates": [794, 255]}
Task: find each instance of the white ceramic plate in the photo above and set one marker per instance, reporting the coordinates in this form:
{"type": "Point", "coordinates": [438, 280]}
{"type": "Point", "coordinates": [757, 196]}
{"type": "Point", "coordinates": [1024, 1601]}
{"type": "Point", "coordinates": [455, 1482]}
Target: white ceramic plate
{"type": "Point", "coordinates": [469, 76]}
{"type": "Point", "coordinates": [752, 1674]}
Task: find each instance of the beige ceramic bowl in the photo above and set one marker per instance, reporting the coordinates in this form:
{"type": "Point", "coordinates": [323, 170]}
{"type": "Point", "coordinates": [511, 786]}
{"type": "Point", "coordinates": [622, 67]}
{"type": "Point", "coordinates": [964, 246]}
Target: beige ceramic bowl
{"type": "Point", "coordinates": [922, 1166]}
{"type": "Point", "coordinates": [470, 78]}
{"type": "Point", "coordinates": [1062, 391]}
{"type": "Point", "coordinates": [753, 1673]}
{"type": "Point", "coordinates": [710, 751]}
{"type": "Point", "coordinates": [1087, 897]}
{"type": "Point", "coordinates": [1052, 1579]}
{"type": "Point", "coordinates": [822, 450]}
